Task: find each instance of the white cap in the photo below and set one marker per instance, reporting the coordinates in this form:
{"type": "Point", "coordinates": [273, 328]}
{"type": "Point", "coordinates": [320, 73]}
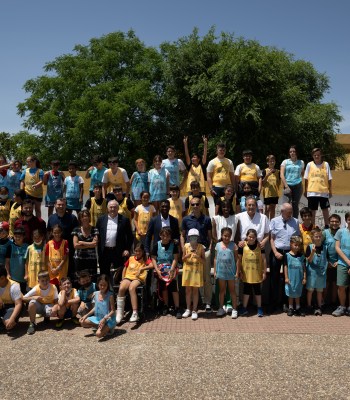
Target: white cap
{"type": "Point", "coordinates": [193, 232]}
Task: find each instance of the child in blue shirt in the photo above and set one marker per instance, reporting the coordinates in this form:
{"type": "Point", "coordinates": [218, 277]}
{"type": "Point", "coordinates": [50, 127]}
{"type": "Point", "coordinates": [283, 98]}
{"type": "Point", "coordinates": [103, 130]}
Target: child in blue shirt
{"type": "Point", "coordinates": [85, 292]}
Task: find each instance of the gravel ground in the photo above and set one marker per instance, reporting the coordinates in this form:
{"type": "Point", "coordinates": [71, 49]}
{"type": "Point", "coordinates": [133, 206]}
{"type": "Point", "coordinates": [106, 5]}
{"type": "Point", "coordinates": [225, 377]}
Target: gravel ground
{"type": "Point", "coordinates": [74, 364]}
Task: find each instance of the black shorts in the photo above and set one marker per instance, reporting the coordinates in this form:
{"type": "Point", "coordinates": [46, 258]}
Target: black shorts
{"type": "Point", "coordinates": [315, 201]}
{"type": "Point", "coordinates": [172, 287]}
{"type": "Point", "coordinates": [39, 199]}
{"type": "Point", "coordinates": [249, 288]}
{"type": "Point", "coordinates": [270, 200]}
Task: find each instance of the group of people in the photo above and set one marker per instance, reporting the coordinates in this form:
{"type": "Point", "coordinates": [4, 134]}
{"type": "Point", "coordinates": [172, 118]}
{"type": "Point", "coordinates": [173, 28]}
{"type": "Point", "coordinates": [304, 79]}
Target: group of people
{"type": "Point", "coordinates": [64, 268]}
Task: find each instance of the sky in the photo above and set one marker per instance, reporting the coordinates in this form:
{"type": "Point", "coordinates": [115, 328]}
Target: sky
{"type": "Point", "coordinates": [35, 32]}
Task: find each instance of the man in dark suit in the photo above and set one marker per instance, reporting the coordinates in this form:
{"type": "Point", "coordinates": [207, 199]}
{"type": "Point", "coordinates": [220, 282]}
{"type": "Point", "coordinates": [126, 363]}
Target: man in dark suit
{"type": "Point", "coordinates": [159, 222]}
{"type": "Point", "coordinates": [115, 239]}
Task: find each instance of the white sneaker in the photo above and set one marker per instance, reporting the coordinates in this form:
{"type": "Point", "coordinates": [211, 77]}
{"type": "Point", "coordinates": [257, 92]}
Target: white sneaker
{"type": "Point", "coordinates": [186, 314]}
{"type": "Point", "coordinates": [221, 312]}
{"type": "Point", "coordinates": [228, 309]}
{"type": "Point", "coordinates": [234, 314]}
{"type": "Point", "coordinates": [194, 315]}
{"type": "Point", "coordinates": [134, 317]}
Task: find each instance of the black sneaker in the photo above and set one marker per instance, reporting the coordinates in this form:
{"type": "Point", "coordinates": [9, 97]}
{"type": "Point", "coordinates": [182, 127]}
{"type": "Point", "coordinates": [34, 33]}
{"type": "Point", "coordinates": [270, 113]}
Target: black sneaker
{"type": "Point", "coordinates": [208, 308]}
{"type": "Point", "coordinates": [309, 310]}
{"type": "Point", "coordinates": [299, 313]}
{"type": "Point", "coordinates": [2, 327]}
{"type": "Point", "coordinates": [178, 313]}
{"type": "Point", "coordinates": [290, 312]}
{"type": "Point", "coordinates": [31, 328]}
{"type": "Point", "coordinates": [318, 312]}
{"type": "Point", "coordinates": [165, 311]}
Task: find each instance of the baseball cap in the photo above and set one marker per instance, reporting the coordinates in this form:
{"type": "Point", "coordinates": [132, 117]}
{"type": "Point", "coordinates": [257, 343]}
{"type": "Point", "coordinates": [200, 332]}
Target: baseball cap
{"type": "Point", "coordinates": [193, 232]}
{"type": "Point", "coordinates": [4, 226]}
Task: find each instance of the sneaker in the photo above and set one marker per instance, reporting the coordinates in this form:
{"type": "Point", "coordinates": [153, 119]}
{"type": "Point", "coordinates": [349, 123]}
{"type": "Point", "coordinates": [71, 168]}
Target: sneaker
{"type": "Point", "coordinates": [31, 328]}
{"type": "Point", "coordinates": [318, 312]}
{"type": "Point", "coordinates": [243, 312]}
{"type": "Point", "coordinates": [260, 312]}
{"type": "Point", "coordinates": [339, 311]}
{"type": "Point", "coordinates": [208, 308]}
{"type": "Point", "coordinates": [134, 317]}
{"type": "Point", "coordinates": [285, 308]}
{"type": "Point", "coordinates": [165, 311]}
{"type": "Point", "coordinates": [228, 309]}
{"type": "Point", "coordinates": [75, 320]}
{"type": "Point", "coordinates": [186, 314]}
{"type": "Point", "coordinates": [234, 314]}
{"type": "Point", "coordinates": [290, 312]}
{"type": "Point", "coordinates": [309, 310]}
{"type": "Point", "coordinates": [221, 312]}
{"type": "Point", "coordinates": [59, 323]}
{"type": "Point", "coordinates": [178, 313]}
{"type": "Point", "coordinates": [299, 313]}
{"type": "Point", "coordinates": [347, 312]}
{"type": "Point", "coordinates": [194, 315]}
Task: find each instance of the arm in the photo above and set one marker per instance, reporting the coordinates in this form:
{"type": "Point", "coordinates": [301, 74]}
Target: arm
{"type": "Point", "coordinates": [313, 251]}
{"type": "Point", "coordinates": [264, 265]}
{"type": "Point", "coordinates": [74, 300]}
{"type": "Point", "coordinates": [278, 255]}
{"type": "Point", "coordinates": [264, 241]}
{"type": "Point", "coordinates": [205, 150]}
{"type": "Point", "coordinates": [46, 177]}
{"type": "Point", "coordinates": [127, 188]}
{"type": "Point", "coordinates": [341, 253]}
{"type": "Point", "coordinates": [239, 266]}
{"type": "Point", "coordinates": [260, 181]}
{"type": "Point", "coordinates": [210, 182]}
{"type": "Point", "coordinates": [63, 298]}
{"type": "Point", "coordinates": [7, 266]}
{"type": "Point", "coordinates": [306, 182]}
{"type": "Point", "coordinates": [81, 186]}
{"type": "Point", "coordinates": [214, 233]}
{"type": "Point", "coordinates": [286, 278]}
{"type": "Point", "coordinates": [104, 190]}
{"type": "Point", "coordinates": [11, 322]}
{"type": "Point", "coordinates": [232, 178]}
{"type": "Point", "coordinates": [87, 175]}
{"type": "Point", "coordinates": [187, 155]}
{"type": "Point", "coordinates": [283, 178]}
{"type": "Point", "coordinates": [109, 315]}
{"type": "Point", "coordinates": [215, 265]}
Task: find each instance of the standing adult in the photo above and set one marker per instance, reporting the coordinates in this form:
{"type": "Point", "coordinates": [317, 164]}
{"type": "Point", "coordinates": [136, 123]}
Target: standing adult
{"type": "Point", "coordinates": [196, 165]}
{"type": "Point", "coordinates": [29, 222]}
{"type": "Point", "coordinates": [292, 171]}
{"type": "Point", "coordinates": [197, 220]}
{"type": "Point", "coordinates": [32, 183]}
{"type": "Point", "coordinates": [252, 219]}
{"type": "Point", "coordinates": [161, 221]}
{"type": "Point", "coordinates": [116, 238]}
{"type": "Point", "coordinates": [67, 222]}
{"type": "Point", "coordinates": [95, 173]}
{"type": "Point", "coordinates": [318, 185]}
{"type": "Point", "coordinates": [282, 229]}
{"type": "Point", "coordinates": [85, 240]}
{"type": "Point", "coordinates": [220, 172]}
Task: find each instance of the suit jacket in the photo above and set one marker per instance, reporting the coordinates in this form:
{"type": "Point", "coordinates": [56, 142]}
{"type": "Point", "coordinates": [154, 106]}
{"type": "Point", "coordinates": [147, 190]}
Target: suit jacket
{"type": "Point", "coordinates": [124, 239]}
{"type": "Point", "coordinates": [154, 227]}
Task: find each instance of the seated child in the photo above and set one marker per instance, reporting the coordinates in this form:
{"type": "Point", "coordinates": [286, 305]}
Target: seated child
{"type": "Point", "coordinates": [10, 301]}
{"type": "Point", "coordinates": [41, 299]}
{"type": "Point", "coordinates": [85, 292]}
{"type": "Point", "coordinates": [165, 256]}
{"type": "Point", "coordinates": [102, 316]}
{"type": "Point", "coordinates": [134, 275]}
{"type": "Point", "coordinates": [68, 303]}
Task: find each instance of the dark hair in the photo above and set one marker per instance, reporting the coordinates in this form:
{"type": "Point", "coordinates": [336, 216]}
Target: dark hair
{"type": "Point", "coordinates": [55, 162]}
{"type": "Point", "coordinates": [20, 193]}
{"type": "Point", "coordinates": [43, 274]}
{"type": "Point", "coordinates": [84, 274]}
{"type": "Point", "coordinates": [228, 204]}
{"type": "Point", "coordinates": [305, 211]}
{"type": "Point", "coordinates": [105, 278]}
{"type": "Point", "coordinates": [221, 145]}
{"type": "Point", "coordinates": [27, 201]}
{"type": "Point", "coordinates": [3, 271]}
{"type": "Point", "coordinates": [165, 201]}
{"type": "Point", "coordinates": [72, 164]}
{"type": "Point", "coordinates": [157, 158]}
{"type": "Point", "coordinates": [97, 159]}
{"type": "Point", "coordinates": [254, 232]}
{"type": "Point", "coordinates": [61, 199]}
{"type": "Point", "coordinates": [37, 162]}
{"type": "Point", "coordinates": [293, 146]}
{"type": "Point", "coordinates": [55, 227]}
{"type": "Point", "coordinates": [270, 157]}
{"type": "Point", "coordinates": [347, 215]}
{"type": "Point", "coordinates": [247, 152]}
{"type": "Point", "coordinates": [19, 231]}
{"type": "Point", "coordinates": [97, 185]}
{"type": "Point", "coordinates": [113, 160]}
{"type": "Point", "coordinates": [143, 192]}
{"type": "Point", "coordinates": [142, 248]}
{"type": "Point", "coordinates": [335, 216]}
{"type": "Point", "coordinates": [226, 229]}
{"type": "Point", "coordinates": [64, 279]}
{"type": "Point", "coordinates": [316, 230]}
{"type": "Point", "coordinates": [195, 184]}
{"type": "Point", "coordinates": [171, 147]}
{"type": "Point", "coordinates": [4, 187]}
{"type": "Point", "coordinates": [174, 187]}
{"type": "Point", "coordinates": [166, 230]}
{"type": "Point", "coordinates": [82, 213]}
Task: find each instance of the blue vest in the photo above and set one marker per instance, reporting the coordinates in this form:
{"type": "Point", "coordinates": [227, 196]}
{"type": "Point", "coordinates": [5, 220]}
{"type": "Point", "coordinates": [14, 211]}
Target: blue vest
{"type": "Point", "coordinates": [330, 245]}
{"type": "Point", "coordinates": [293, 172]}
{"type": "Point", "coordinates": [72, 187]}
{"type": "Point", "coordinates": [54, 187]}
{"type": "Point", "coordinates": [13, 182]}
{"type": "Point", "coordinates": [139, 184]}
{"type": "Point", "coordinates": [165, 256]}
{"type": "Point", "coordinates": [173, 168]}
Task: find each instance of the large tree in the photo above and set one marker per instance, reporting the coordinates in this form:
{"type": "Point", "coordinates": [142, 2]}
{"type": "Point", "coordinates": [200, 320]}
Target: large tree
{"type": "Point", "coordinates": [118, 96]}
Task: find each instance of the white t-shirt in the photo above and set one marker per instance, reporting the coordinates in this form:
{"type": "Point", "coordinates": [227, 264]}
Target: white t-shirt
{"type": "Point", "coordinates": [222, 222]}
{"type": "Point", "coordinates": [75, 294]}
{"type": "Point", "coordinates": [213, 162]}
{"type": "Point", "coordinates": [259, 222]}
{"type": "Point", "coordinates": [240, 166]}
{"type": "Point", "coordinates": [124, 174]}
{"type": "Point", "coordinates": [15, 291]}
{"type": "Point", "coordinates": [182, 166]}
{"type": "Point", "coordinates": [111, 234]}
{"type": "Point", "coordinates": [32, 292]}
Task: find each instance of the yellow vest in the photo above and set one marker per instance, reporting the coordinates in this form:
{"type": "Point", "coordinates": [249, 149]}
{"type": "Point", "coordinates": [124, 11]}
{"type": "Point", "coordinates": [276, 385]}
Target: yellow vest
{"type": "Point", "coordinates": [306, 236]}
{"type": "Point", "coordinates": [50, 298]}
{"type": "Point", "coordinates": [195, 174]}
{"type": "Point", "coordinates": [6, 296]}
{"type": "Point", "coordinates": [270, 187]}
{"type": "Point", "coordinates": [133, 267]}
{"type": "Point", "coordinates": [55, 258]}
{"type": "Point", "coordinates": [123, 209]}
{"type": "Point", "coordinates": [143, 219]}
{"type": "Point", "coordinates": [115, 180]}
{"type": "Point", "coordinates": [176, 209]}
{"type": "Point", "coordinates": [221, 172]}
{"type": "Point", "coordinates": [233, 204]}
{"type": "Point", "coordinates": [5, 211]}
{"type": "Point", "coordinates": [36, 263]}
{"type": "Point", "coordinates": [252, 265]}
{"type": "Point", "coordinates": [29, 181]}
{"type": "Point", "coordinates": [318, 179]}
{"type": "Point", "coordinates": [248, 173]}
{"type": "Point", "coordinates": [97, 210]}
{"type": "Point", "coordinates": [15, 213]}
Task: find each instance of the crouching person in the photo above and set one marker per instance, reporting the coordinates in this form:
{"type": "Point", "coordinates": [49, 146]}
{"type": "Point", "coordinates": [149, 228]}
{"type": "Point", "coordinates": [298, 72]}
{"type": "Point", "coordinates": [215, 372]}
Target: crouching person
{"type": "Point", "coordinates": [68, 303]}
{"type": "Point", "coordinates": [41, 299]}
{"type": "Point", "coordinates": [10, 301]}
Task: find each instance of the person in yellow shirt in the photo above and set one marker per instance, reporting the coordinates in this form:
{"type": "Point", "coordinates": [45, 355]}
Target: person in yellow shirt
{"type": "Point", "coordinates": [35, 258]}
{"type": "Point", "coordinates": [177, 206]}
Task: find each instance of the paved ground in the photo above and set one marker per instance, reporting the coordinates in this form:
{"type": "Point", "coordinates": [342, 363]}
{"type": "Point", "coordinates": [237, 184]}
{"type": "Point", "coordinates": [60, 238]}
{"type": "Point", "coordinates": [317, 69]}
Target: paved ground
{"type": "Point", "coordinates": [276, 357]}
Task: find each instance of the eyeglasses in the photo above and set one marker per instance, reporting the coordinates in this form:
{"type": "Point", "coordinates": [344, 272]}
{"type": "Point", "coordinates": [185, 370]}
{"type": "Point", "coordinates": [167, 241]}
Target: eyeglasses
{"type": "Point", "coordinates": [195, 204]}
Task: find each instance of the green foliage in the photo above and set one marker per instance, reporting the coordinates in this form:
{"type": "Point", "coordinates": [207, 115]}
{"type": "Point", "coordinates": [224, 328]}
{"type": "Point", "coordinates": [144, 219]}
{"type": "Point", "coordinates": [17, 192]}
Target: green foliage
{"type": "Point", "coordinates": [117, 96]}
